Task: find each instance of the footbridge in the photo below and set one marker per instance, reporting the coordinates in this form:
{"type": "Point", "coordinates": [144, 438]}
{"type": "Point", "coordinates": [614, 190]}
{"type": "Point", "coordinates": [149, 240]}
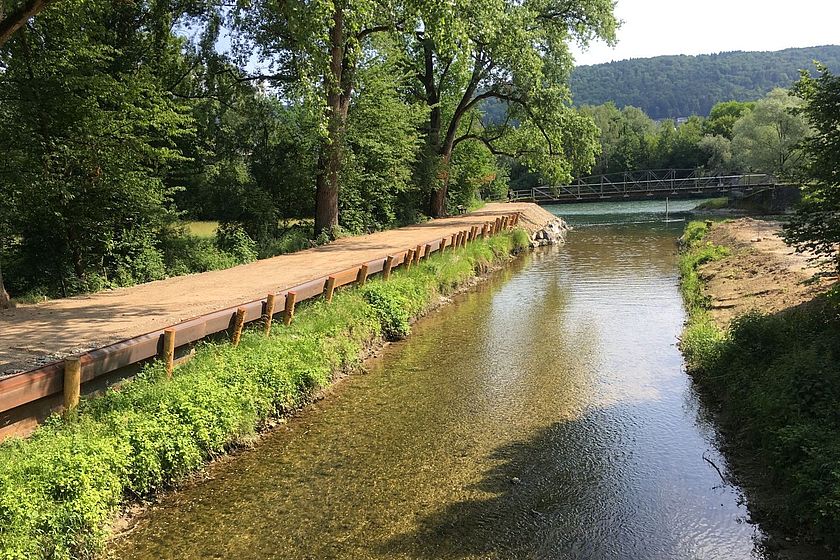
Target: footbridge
{"type": "Point", "coordinates": [648, 185]}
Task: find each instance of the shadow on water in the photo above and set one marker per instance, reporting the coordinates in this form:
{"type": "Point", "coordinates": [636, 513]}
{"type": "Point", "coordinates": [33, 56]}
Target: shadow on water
{"type": "Point", "coordinates": [556, 495]}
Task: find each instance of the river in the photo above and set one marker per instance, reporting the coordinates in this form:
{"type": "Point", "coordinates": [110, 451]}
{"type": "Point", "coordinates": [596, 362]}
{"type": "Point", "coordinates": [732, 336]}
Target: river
{"type": "Point", "coordinates": [545, 415]}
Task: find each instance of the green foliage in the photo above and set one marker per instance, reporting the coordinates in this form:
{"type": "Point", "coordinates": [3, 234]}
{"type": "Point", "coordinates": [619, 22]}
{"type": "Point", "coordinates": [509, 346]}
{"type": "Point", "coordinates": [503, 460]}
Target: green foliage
{"type": "Point", "coordinates": [680, 86]}
{"type": "Point", "coordinates": [89, 133]}
{"type": "Point", "coordinates": [768, 139]}
{"type": "Point", "coordinates": [60, 488]}
{"type": "Point", "coordinates": [777, 378]}
{"type": "Point", "coordinates": [516, 53]}
{"type": "Point", "coordinates": [816, 225]}
{"type": "Point", "coordinates": [232, 238]}
{"type": "Point", "coordinates": [382, 145]}
{"type": "Point", "coordinates": [724, 115]}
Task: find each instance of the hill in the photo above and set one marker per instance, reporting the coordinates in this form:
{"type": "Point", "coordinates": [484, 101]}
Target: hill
{"type": "Point", "coordinates": [679, 86]}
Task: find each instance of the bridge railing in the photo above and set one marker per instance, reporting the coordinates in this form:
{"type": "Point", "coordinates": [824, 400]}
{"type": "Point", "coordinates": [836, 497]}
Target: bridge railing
{"type": "Point", "coordinates": [644, 183]}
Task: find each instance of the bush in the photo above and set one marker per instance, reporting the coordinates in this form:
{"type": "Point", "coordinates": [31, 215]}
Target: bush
{"type": "Point", "coordinates": [232, 238]}
{"type": "Point", "coordinates": [292, 240]}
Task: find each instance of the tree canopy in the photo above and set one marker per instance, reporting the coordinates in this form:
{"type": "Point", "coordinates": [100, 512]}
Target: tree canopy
{"type": "Point", "coordinates": [816, 225]}
{"type": "Point", "coordinates": [285, 122]}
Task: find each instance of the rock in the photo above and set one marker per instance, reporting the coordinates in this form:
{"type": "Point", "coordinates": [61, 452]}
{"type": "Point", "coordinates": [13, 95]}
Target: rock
{"type": "Point", "coordinates": [515, 480]}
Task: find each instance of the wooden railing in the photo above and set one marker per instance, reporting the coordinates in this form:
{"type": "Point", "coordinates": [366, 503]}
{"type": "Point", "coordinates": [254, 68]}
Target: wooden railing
{"type": "Point", "coordinates": [65, 378]}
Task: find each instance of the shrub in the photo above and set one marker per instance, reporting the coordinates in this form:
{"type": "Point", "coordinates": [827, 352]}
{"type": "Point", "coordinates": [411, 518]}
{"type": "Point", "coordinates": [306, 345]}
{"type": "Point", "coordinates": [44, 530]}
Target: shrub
{"type": "Point", "coordinates": [233, 239]}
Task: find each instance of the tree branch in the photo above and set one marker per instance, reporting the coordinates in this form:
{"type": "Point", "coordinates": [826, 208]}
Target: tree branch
{"type": "Point", "coordinates": [18, 17]}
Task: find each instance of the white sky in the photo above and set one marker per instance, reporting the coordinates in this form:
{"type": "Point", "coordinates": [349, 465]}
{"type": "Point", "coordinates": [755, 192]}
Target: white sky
{"type": "Point", "coordinates": [657, 27]}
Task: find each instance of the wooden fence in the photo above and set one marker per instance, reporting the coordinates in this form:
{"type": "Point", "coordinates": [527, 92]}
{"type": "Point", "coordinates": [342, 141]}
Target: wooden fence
{"type": "Point", "coordinates": [59, 384]}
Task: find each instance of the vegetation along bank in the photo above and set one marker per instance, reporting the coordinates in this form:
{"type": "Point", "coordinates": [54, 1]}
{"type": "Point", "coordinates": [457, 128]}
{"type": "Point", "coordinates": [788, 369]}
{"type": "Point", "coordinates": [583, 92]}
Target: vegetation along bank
{"type": "Point", "coordinates": [61, 488]}
{"type": "Point", "coordinates": [761, 343]}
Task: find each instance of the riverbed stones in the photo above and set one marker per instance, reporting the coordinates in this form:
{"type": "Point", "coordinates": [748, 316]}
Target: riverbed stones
{"type": "Point", "coordinates": [553, 233]}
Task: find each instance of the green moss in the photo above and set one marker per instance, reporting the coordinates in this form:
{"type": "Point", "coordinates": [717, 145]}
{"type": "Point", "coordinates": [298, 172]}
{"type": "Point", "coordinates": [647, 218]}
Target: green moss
{"type": "Point", "coordinates": [60, 488]}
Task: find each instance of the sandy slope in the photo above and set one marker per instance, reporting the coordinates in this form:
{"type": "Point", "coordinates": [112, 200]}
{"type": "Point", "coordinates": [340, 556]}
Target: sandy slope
{"type": "Point", "coordinates": [762, 274]}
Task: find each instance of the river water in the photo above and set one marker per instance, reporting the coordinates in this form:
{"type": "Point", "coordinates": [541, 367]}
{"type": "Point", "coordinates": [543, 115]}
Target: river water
{"type": "Point", "coordinates": [545, 415]}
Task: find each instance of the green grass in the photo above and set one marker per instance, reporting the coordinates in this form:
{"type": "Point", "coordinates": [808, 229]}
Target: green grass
{"type": "Point", "coordinates": [60, 488]}
{"type": "Point", "coordinates": [202, 228]}
{"type": "Point", "coordinates": [776, 381]}
{"type": "Point", "coordinates": [714, 204]}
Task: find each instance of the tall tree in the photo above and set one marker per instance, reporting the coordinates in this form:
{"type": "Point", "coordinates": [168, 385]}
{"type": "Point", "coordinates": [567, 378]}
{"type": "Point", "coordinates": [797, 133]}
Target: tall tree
{"type": "Point", "coordinates": [816, 225]}
{"type": "Point", "coordinates": [314, 49]}
{"type": "Point", "coordinates": [89, 129]}
{"type": "Point", "coordinates": [768, 139]}
{"type": "Point", "coordinates": [514, 52]}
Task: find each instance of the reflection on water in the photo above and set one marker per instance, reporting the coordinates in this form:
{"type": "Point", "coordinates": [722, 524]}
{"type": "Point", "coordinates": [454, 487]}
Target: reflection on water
{"type": "Point", "coordinates": [545, 416]}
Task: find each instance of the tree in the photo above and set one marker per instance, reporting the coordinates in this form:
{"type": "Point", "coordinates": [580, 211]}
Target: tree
{"type": "Point", "coordinates": [723, 117]}
{"type": "Point", "coordinates": [89, 132]}
{"type": "Point", "coordinates": [815, 227]}
{"type": "Point", "coordinates": [315, 48]}
{"type": "Point", "coordinates": [768, 139]}
{"type": "Point", "coordinates": [516, 53]}
{"type": "Point", "coordinates": [717, 152]}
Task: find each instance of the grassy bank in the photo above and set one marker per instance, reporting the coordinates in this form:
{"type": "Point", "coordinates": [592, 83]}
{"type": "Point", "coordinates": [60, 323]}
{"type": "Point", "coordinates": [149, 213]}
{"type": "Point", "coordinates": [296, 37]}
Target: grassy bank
{"type": "Point", "coordinates": [60, 488]}
{"type": "Point", "coordinates": [775, 381]}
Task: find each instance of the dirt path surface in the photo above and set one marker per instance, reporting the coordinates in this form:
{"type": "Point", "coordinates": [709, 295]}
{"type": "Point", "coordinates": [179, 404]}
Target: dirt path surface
{"type": "Point", "coordinates": [32, 335]}
{"type": "Point", "coordinates": [763, 273]}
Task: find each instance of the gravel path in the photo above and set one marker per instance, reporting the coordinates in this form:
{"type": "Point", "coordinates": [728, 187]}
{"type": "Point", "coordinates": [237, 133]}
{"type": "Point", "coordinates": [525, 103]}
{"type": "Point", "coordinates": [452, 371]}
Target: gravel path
{"type": "Point", "coordinates": [32, 335]}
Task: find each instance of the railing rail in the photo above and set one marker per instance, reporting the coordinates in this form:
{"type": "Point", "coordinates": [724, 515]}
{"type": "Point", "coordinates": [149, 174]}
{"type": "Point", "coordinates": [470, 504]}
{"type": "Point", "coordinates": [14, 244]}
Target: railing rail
{"type": "Point", "coordinates": [645, 184]}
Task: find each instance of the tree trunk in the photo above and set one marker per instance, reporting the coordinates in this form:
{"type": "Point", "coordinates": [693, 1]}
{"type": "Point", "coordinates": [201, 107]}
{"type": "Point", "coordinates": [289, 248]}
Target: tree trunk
{"type": "Point", "coordinates": [5, 300]}
{"type": "Point", "coordinates": [329, 160]}
{"type": "Point", "coordinates": [15, 19]}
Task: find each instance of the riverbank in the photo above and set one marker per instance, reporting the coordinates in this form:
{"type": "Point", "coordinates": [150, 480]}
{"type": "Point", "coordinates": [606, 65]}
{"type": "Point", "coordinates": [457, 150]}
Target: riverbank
{"type": "Point", "coordinates": [32, 335]}
{"type": "Point", "coordinates": [761, 344]}
{"type": "Point", "coordinates": [60, 489]}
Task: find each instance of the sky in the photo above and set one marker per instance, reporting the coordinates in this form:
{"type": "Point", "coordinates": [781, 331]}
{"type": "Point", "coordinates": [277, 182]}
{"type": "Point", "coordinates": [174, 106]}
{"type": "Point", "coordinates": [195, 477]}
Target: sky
{"type": "Point", "coordinates": [658, 27]}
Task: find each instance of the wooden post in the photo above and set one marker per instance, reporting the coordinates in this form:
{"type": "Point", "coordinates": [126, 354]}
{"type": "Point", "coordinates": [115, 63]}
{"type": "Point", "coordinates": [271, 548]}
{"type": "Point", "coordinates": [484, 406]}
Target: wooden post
{"type": "Point", "coordinates": [169, 351]}
{"type": "Point", "coordinates": [269, 313]}
{"type": "Point", "coordinates": [504, 222]}
{"type": "Point", "coordinates": [484, 230]}
{"type": "Point", "coordinates": [289, 312]}
{"type": "Point", "coordinates": [361, 278]}
{"type": "Point", "coordinates": [454, 244]}
{"type": "Point", "coordinates": [516, 219]}
{"type": "Point", "coordinates": [464, 238]}
{"type": "Point", "coordinates": [238, 324]}
{"type": "Point", "coordinates": [386, 270]}
{"type": "Point", "coordinates": [428, 251]}
{"type": "Point", "coordinates": [72, 382]}
{"type": "Point", "coordinates": [409, 258]}
{"type": "Point", "coordinates": [418, 253]}
{"type": "Point", "coordinates": [329, 288]}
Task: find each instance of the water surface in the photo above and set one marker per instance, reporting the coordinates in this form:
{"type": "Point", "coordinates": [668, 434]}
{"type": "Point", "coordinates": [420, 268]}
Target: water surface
{"type": "Point", "coordinates": [546, 415]}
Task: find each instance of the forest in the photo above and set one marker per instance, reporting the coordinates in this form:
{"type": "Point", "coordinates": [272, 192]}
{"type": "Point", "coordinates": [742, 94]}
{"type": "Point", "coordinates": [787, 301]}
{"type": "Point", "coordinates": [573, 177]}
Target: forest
{"type": "Point", "coordinates": [680, 86]}
{"type": "Point", "coordinates": [762, 136]}
{"type": "Point", "coordinates": [288, 123]}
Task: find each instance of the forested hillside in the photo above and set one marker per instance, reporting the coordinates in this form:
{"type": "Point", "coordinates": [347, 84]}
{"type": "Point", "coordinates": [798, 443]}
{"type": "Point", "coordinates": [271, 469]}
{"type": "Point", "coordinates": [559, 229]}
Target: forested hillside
{"type": "Point", "coordinates": [680, 86]}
